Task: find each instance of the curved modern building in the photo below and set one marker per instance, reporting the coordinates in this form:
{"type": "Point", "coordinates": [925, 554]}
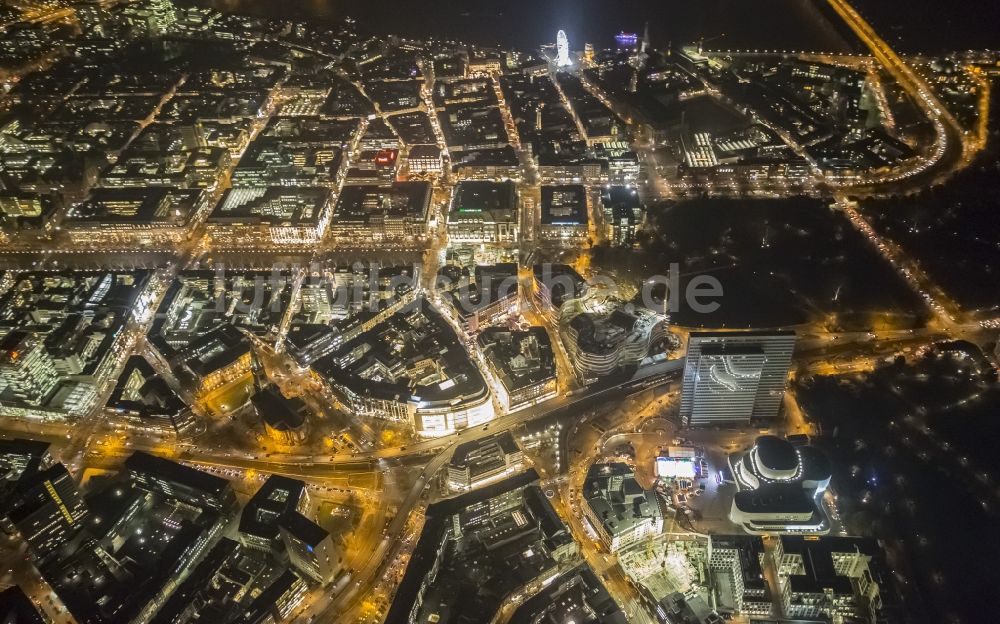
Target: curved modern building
{"type": "Point", "coordinates": [780, 487]}
{"type": "Point", "coordinates": [603, 334]}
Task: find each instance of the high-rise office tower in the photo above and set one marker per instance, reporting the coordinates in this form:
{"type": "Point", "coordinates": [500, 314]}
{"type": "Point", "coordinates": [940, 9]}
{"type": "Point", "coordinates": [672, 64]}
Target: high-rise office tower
{"type": "Point", "coordinates": [27, 371]}
{"type": "Point", "coordinates": [735, 376]}
{"type": "Point", "coordinates": [47, 509]}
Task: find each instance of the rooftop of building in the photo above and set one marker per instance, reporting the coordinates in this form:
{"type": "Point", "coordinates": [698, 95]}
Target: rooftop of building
{"type": "Point", "coordinates": [518, 358]}
{"type": "Point", "coordinates": [414, 355]}
{"type": "Point", "coordinates": [277, 497]}
{"type": "Point", "coordinates": [216, 349]}
{"type": "Point", "coordinates": [303, 529]}
{"type": "Point", "coordinates": [311, 129]}
{"type": "Point", "coordinates": [501, 550]}
{"type": "Point", "coordinates": [485, 196]}
{"type": "Point", "coordinates": [775, 498]}
{"type": "Point", "coordinates": [562, 281]}
{"type": "Point", "coordinates": [576, 595]}
{"type": "Point", "coordinates": [504, 156]}
{"type": "Point", "coordinates": [486, 449]}
{"type": "Point", "coordinates": [277, 411]}
{"type": "Point", "coordinates": [141, 389]}
{"type": "Point", "coordinates": [141, 462]}
{"type": "Point", "coordinates": [162, 206]}
{"type": "Point", "coordinates": [564, 204]}
{"type": "Point", "coordinates": [488, 285]}
{"type": "Point", "coordinates": [17, 608]}
{"type": "Point", "coordinates": [617, 500]}
{"type": "Point", "coordinates": [362, 203]}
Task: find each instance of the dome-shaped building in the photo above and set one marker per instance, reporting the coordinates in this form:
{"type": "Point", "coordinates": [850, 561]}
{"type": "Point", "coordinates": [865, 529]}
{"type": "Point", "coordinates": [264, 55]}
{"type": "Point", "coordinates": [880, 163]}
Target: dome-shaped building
{"type": "Point", "coordinates": [780, 487]}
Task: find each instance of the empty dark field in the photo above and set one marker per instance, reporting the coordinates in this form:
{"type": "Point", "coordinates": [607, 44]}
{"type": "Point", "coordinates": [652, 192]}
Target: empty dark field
{"type": "Point", "coordinates": [780, 263]}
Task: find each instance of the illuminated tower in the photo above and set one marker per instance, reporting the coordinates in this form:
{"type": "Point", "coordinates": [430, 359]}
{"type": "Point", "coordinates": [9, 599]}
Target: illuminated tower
{"type": "Point", "coordinates": [562, 50]}
{"type": "Point", "coordinates": [163, 17]}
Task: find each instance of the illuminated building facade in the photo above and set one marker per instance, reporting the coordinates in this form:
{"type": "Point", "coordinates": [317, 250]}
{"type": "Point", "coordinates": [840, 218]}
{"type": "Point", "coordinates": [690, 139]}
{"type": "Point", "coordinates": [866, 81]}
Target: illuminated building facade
{"type": "Point", "coordinates": [832, 578]}
{"type": "Point", "coordinates": [618, 508]}
{"type": "Point", "coordinates": [134, 216]}
{"type": "Point", "coordinates": [522, 365]}
{"type": "Point", "coordinates": [425, 159]}
{"type": "Point", "coordinates": [565, 213]}
{"type": "Point", "coordinates": [483, 461]}
{"type": "Point", "coordinates": [47, 509]}
{"type": "Point", "coordinates": [602, 334]}
{"type": "Point", "coordinates": [780, 487]}
{"type": "Point", "coordinates": [735, 376]}
{"type": "Point", "coordinates": [255, 215]}
{"type": "Point", "coordinates": [309, 546]}
{"type": "Point", "coordinates": [562, 50]}
{"type": "Point", "coordinates": [484, 212]}
{"type": "Point", "coordinates": [411, 368]}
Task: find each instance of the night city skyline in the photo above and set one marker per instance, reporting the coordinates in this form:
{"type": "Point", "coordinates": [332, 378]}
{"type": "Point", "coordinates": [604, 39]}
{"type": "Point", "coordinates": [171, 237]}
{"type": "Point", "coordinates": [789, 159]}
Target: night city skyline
{"type": "Point", "coordinates": [550, 312]}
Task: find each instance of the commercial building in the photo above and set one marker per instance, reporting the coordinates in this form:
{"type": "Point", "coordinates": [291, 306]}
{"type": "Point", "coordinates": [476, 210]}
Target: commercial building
{"type": "Point", "coordinates": [735, 376]}
{"type": "Point", "coordinates": [298, 151]}
{"type": "Point", "coordinates": [574, 596]}
{"type": "Point", "coordinates": [565, 213]}
{"type": "Point", "coordinates": [219, 359]}
{"type": "Point", "coordinates": [521, 364]}
{"type": "Point", "coordinates": [276, 498]}
{"type": "Point", "coordinates": [425, 159]}
{"type": "Point", "coordinates": [19, 457]}
{"type": "Point", "coordinates": [603, 334]}
{"type": "Point", "coordinates": [507, 532]}
{"type": "Point", "coordinates": [211, 590]}
{"type": "Point", "coordinates": [484, 212]}
{"type": "Point", "coordinates": [282, 162]}
{"type": "Point", "coordinates": [146, 529]}
{"type": "Point", "coordinates": [410, 368]}
{"type": "Point", "coordinates": [309, 546]}
{"type": "Point", "coordinates": [553, 285]}
{"type": "Point", "coordinates": [488, 297]}
{"type": "Point", "coordinates": [277, 602]}
{"type": "Point", "coordinates": [64, 334]}
{"type": "Point", "coordinates": [618, 508]}
{"type": "Point", "coordinates": [270, 215]}
{"type": "Point", "coordinates": [27, 369]}
{"type": "Point", "coordinates": [144, 400]}
{"type": "Point", "coordinates": [199, 302]}
{"type": "Point", "coordinates": [373, 167]}
{"type": "Point", "coordinates": [400, 210]}
{"type": "Point", "coordinates": [199, 168]}
{"type": "Point", "coordinates": [624, 213]}
{"type": "Point", "coordinates": [737, 566]}
{"type": "Point", "coordinates": [833, 578]}
{"type": "Point", "coordinates": [486, 164]}
{"type": "Point", "coordinates": [345, 302]}
{"type": "Point", "coordinates": [780, 487]}
{"type": "Point", "coordinates": [46, 509]}
{"type": "Point", "coordinates": [27, 216]}
{"type": "Point", "coordinates": [17, 608]}
{"type": "Point", "coordinates": [479, 462]}
{"type": "Point", "coordinates": [179, 482]}
{"type": "Point", "coordinates": [134, 216]}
